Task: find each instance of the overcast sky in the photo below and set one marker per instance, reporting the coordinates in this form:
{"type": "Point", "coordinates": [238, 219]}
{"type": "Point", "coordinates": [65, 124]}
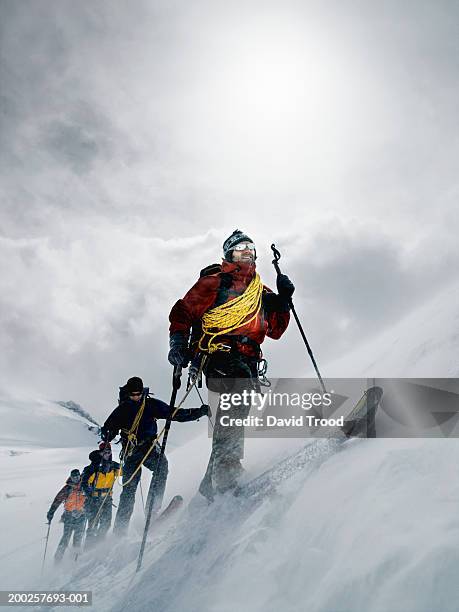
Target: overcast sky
{"type": "Point", "coordinates": [136, 135]}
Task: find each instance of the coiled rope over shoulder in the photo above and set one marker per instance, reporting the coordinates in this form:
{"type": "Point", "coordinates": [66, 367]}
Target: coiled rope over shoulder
{"type": "Point", "coordinates": [229, 316]}
{"type": "Point", "coordinates": [131, 434]}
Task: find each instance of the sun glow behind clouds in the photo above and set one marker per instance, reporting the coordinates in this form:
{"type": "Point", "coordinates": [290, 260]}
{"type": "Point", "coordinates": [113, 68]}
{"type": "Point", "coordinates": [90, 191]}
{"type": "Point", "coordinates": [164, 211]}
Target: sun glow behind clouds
{"type": "Point", "coordinates": [280, 101]}
{"type": "Point", "coordinates": [276, 75]}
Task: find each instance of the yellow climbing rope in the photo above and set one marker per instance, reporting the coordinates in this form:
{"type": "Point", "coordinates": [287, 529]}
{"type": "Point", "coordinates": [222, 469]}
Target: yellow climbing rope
{"type": "Point", "coordinates": [131, 435]}
{"type": "Point", "coordinates": [227, 317]}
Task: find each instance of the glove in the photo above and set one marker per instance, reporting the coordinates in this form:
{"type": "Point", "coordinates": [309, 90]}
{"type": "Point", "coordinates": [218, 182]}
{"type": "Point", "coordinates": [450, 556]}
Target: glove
{"type": "Point", "coordinates": [205, 409]}
{"type": "Point", "coordinates": [178, 354]}
{"type": "Point", "coordinates": [285, 287]}
{"type": "Point", "coordinates": [270, 302]}
{"type": "Point", "coordinates": [194, 368]}
{"type": "Point", "coordinates": [49, 516]}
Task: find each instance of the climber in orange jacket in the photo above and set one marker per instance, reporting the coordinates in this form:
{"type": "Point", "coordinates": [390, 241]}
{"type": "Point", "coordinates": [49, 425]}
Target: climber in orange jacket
{"type": "Point", "coordinates": [74, 518]}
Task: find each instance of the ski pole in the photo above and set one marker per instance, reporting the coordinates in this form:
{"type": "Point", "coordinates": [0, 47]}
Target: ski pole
{"type": "Point", "coordinates": [154, 478]}
{"type": "Point", "coordinates": [46, 548]}
{"type": "Point", "coordinates": [209, 416]}
{"type": "Point", "coordinates": [275, 262]}
{"type": "Point", "coordinates": [141, 495]}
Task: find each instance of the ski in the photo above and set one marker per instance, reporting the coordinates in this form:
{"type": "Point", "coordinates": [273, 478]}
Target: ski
{"type": "Point", "coordinates": [360, 422]}
{"type": "Point", "coordinates": [175, 504]}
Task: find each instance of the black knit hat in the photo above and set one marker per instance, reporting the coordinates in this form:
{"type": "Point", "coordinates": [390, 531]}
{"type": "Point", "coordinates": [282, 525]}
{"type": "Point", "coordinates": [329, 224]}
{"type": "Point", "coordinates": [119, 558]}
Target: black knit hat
{"type": "Point", "coordinates": [94, 456]}
{"type": "Point", "coordinates": [236, 237]}
{"type": "Point", "coordinates": [75, 472]}
{"type": "Point", "coordinates": [134, 384]}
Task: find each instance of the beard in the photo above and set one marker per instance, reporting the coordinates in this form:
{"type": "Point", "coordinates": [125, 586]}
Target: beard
{"type": "Point", "coordinates": [245, 259]}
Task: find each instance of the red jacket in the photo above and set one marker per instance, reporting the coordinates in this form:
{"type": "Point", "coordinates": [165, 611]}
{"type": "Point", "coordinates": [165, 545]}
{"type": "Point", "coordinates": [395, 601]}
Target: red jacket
{"type": "Point", "coordinates": [187, 312]}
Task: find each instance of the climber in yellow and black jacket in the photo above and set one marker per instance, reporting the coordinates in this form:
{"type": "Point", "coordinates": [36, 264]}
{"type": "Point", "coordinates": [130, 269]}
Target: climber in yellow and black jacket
{"type": "Point", "coordinates": [97, 482]}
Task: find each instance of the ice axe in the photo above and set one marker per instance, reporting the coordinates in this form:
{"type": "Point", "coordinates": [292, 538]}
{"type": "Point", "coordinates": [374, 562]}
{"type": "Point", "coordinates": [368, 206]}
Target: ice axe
{"type": "Point", "coordinates": [275, 262]}
{"type": "Point", "coordinates": [176, 382]}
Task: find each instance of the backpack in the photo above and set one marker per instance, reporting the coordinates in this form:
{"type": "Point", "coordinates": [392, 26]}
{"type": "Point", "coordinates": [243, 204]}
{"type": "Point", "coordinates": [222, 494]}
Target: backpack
{"type": "Point", "coordinates": [75, 501]}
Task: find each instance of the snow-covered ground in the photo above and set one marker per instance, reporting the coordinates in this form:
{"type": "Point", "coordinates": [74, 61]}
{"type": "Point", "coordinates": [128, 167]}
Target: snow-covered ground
{"type": "Point", "coordinates": [374, 529]}
{"type": "Point", "coordinates": [40, 442]}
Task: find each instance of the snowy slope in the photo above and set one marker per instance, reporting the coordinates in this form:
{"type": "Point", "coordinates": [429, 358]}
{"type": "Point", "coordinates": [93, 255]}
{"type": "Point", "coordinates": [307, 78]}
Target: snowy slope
{"type": "Point", "coordinates": [374, 529]}
{"type": "Point", "coordinates": [424, 344]}
{"type": "Point", "coordinates": [40, 441]}
{"type": "Point", "coordinates": [353, 536]}
{"type": "Point", "coordinates": [42, 423]}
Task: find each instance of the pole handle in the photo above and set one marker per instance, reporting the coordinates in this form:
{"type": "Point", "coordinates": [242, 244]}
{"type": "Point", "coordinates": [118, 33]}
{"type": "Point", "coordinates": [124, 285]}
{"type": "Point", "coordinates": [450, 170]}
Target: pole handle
{"type": "Point", "coordinates": [277, 256]}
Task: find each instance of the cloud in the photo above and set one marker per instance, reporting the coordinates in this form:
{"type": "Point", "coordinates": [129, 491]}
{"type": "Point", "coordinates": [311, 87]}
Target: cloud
{"type": "Point", "coordinates": [134, 140]}
{"type": "Point", "coordinates": [82, 315]}
{"type": "Point", "coordinates": [78, 141]}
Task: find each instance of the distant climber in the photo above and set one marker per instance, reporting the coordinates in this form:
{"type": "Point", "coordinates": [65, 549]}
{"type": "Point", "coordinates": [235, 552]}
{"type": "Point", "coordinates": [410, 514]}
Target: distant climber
{"type": "Point", "coordinates": [73, 498]}
{"type": "Point", "coordinates": [97, 482]}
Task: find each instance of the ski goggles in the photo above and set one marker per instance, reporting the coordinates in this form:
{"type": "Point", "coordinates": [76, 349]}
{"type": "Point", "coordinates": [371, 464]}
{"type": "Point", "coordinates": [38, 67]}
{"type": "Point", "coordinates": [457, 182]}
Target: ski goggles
{"type": "Point", "coordinates": [244, 246]}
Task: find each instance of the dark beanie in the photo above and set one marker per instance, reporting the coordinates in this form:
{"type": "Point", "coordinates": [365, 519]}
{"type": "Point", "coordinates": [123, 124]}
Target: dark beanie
{"type": "Point", "coordinates": [236, 237]}
{"type": "Point", "coordinates": [94, 456]}
{"type": "Point", "coordinates": [134, 384]}
{"type": "Point", "coordinates": [75, 472]}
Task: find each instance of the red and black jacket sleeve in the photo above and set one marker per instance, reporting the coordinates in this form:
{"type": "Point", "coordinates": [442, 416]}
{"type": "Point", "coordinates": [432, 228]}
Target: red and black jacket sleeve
{"type": "Point", "coordinates": [277, 313]}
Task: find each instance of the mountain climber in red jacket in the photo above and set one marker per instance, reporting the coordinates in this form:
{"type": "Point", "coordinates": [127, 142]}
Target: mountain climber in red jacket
{"type": "Point", "coordinates": [229, 312]}
{"type": "Point", "coordinates": [74, 518]}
